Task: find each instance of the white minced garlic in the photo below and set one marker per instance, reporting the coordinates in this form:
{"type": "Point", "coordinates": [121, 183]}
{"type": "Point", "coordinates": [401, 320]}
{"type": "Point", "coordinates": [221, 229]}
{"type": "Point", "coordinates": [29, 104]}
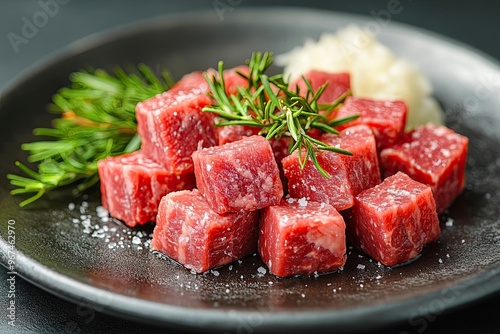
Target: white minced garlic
{"type": "Point", "coordinates": [376, 72]}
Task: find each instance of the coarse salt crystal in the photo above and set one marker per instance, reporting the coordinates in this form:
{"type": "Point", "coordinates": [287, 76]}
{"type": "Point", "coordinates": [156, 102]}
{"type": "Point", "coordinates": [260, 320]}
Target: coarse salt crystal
{"type": "Point", "coordinates": [361, 266]}
{"type": "Point", "coordinates": [262, 270]}
{"type": "Point", "coordinates": [303, 202]}
{"type": "Point", "coordinates": [215, 273]}
{"type": "Point", "coordinates": [136, 240]}
{"type": "Point", "coordinates": [71, 206]}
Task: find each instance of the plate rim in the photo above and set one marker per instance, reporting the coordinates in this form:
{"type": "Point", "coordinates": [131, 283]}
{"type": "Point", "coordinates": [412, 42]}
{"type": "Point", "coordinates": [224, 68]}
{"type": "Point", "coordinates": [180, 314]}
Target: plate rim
{"type": "Point", "coordinates": [475, 289]}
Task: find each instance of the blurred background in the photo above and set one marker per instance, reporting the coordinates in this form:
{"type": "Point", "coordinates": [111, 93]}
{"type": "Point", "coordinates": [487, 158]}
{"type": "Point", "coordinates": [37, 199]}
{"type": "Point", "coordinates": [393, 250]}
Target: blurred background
{"type": "Point", "coordinates": [474, 23]}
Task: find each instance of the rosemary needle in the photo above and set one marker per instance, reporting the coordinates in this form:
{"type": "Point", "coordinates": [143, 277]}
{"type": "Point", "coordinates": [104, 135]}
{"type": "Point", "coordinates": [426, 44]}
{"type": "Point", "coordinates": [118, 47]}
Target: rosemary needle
{"type": "Point", "coordinates": [97, 120]}
{"type": "Point", "coordinates": [269, 103]}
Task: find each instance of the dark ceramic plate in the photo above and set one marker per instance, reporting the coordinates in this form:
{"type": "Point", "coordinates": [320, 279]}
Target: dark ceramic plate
{"type": "Point", "coordinates": [76, 255]}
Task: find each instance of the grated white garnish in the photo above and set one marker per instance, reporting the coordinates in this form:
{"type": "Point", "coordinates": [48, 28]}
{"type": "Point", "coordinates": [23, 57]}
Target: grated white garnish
{"type": "Point", "coordinates": [375, 71]}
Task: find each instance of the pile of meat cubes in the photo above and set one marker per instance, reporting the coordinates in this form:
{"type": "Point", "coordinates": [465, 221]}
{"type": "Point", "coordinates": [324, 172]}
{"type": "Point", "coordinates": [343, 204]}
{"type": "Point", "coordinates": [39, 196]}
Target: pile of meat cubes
{"type": "Point", "coordinates": [217, 193]}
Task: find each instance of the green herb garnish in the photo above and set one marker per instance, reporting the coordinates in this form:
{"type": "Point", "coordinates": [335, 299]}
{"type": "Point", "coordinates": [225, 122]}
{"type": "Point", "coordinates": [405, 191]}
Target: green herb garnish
{"type": "Point", "coordinates": [269, 103]}
{"type": "Point", "coordinates": [97, 120]}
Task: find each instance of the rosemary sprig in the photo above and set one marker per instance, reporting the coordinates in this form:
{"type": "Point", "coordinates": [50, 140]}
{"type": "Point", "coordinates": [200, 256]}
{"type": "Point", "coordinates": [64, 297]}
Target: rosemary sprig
{"type": "Point", "coordinates": [97, 119]}
{"type": "Point", "coordinates": [269, 103]}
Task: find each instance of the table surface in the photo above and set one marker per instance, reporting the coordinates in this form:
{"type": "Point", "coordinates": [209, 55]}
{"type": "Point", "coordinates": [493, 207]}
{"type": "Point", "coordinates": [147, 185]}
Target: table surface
{"type": "Point", "coordinates": [473, 23]}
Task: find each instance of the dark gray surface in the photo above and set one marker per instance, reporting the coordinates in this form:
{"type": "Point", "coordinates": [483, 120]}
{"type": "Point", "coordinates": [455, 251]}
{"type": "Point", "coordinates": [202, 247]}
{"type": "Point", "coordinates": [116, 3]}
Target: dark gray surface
{"type": "Point", "coordinates": [40, 312]}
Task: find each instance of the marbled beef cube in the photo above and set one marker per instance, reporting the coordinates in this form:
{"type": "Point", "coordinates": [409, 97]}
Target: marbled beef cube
{"type": "Point", "coordinates": [301, 237]}
{"type": "Point", "coordinates": [338, 84]}
{"type": "Point", "coordinates": [387, 119]}
{"type": "Point", "coordinates": [433, 155]}
{"type": "Point", "coordinates": [132, 186]}
{"type": "Point", "coordinates": [190, 232]}
{"type": "Point", "coordinates": [349, 175]}
{"type": "Point", "coordinates": [241, 175]}
{"type": "Point", "coordinates": [394, 220]}
{"type": "Point", "coordinates": [172, 125]}
{"type": "Point", "coordinates": [232, 133]}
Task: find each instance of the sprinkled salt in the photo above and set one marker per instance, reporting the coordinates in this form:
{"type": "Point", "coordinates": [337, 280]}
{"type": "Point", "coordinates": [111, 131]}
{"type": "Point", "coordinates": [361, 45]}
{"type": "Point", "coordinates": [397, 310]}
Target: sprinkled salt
{"type": "Point", "coordinates": [361, 266]}
{"type": "Point", "coordinates": [136, 240]}
{"type": "Point", "coordinates": [378, 277]}
{"type": "Point", "coordinates": [440, 261]}
{"type": "Point", "coordinates": [303, 202]}
{"type": "Point", "coordinates": [71, 206]}
{"type": "Point", "coordinates": [262, 270]}
{"type": "Point", "coordinates": [449, 222]}
{"type": "Point", "coordinates": [302, 295]}
{"type": "Point", "coordinates": [215, 273]}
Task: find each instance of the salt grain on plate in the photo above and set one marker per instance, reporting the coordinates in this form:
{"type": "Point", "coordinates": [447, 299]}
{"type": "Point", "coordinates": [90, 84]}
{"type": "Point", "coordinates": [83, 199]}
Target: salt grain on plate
{"type": "Point", "coordinates": [262, 270]}
{"type": "Point", "coordinates": [361, 266]}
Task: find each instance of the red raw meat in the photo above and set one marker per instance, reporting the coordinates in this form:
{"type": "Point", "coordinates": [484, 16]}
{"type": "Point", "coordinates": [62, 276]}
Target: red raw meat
{"type": "Point", "coordinates": [433, 155]}
{"type": "Point", "coordinates": [231, 133]}
{"type": "Point", "coordinates": [172, 125]}
{"type": "Point", "coordinates": [232, 79]}
{"type": "Point", "coordinates": [349, 175]}
{"type": "Point", "coordinates": [190, 232]}
{"type": "Point", "coordinates": [338, 84]}
{"type": "Point", "coordinates": [132, 186]}
{"type": "Point", "coordinates": [394, 220]}
{"type": "Point", "coordinates": [387, 119]}
{"type": "Point", "coordinates": [241, 175]}
{"type": "Point", "coordinates": [301, 237]}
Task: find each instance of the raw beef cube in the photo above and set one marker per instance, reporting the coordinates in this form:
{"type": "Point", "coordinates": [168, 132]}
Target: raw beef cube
{"type": "Point", "coordinates": [387, 119]}
{"type": "Point", "coordinates": [172, 125]}
{"type": "Point", "coordinates": [394, 220]}
{"type": "Point", "coordinates": [433, 155]}
{"type": "Point", "coordinates": [241, 175]}
{"type": "Point", "coordinates": [231, 133]}
{"type": "Point", "coordinates": [349, 175]}
{"type": "Point", "coordinates": [301, 237]}
{"type": "Point", "coordinates": [232, 79]}
{"type": "Point", "coordinates": [190, 232]}
{"type": "Point", "coordinates": [132, 186]}
{"type": "Point", "coordinates": [338, 84]}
